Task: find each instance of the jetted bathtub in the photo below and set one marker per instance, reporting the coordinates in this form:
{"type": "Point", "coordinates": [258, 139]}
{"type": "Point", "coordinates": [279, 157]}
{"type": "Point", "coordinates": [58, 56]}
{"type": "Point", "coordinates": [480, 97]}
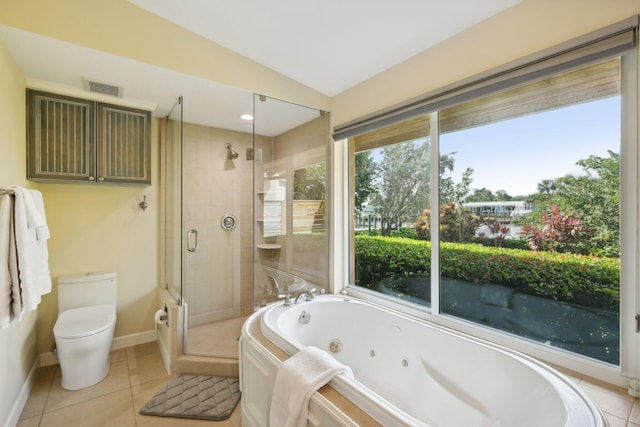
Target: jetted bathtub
{"type": "Point", "coordinates": [413, 373]}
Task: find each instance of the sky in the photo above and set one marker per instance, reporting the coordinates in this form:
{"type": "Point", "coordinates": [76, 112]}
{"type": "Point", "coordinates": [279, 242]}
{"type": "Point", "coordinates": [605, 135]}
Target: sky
{"type": "Point", "coordinates": [515, 155]}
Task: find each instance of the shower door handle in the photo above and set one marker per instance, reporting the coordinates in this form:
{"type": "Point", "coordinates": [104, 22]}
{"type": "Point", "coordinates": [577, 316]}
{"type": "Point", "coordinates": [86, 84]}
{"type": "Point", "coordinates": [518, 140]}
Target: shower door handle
{"type": "Point", "coordinates": [190, 233]}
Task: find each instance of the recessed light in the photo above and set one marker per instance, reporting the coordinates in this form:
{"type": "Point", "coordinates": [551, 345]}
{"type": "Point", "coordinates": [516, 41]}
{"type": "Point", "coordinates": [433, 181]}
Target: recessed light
{"type": "Point", "coordinates": [246, 116]}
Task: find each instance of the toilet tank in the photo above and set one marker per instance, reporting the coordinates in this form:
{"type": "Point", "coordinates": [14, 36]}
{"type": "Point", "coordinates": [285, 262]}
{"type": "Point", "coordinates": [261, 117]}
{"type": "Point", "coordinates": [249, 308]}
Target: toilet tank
{"type": "Point", "coordinates": [87, 289]}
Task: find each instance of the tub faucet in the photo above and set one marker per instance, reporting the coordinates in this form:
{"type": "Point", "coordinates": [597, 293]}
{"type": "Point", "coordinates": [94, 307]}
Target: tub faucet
{"type": "Point", "coordinates": [305, 296]}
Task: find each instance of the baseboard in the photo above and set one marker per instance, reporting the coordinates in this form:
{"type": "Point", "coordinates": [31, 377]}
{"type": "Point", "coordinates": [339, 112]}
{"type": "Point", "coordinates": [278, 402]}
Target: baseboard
{"type": "Point", "coordinates": [133, 339]}
{"type": "Point", "coordinates": [23, 396]}
{"type": "Point", "coordinates": [51, 358]}
{"type": "Point", "coordinates": [164, 352]}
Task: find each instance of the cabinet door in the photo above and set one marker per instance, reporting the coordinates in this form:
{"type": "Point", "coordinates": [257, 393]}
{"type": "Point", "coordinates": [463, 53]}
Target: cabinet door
{"type": "Point", "coordinates": [124, 143]}
{"type": "Point", "coordinates": [61, 137]}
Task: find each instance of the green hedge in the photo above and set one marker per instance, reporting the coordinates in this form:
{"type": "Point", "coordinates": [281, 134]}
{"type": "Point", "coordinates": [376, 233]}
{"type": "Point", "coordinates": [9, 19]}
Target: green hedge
{"type": "Point", "coordinates": [584, 280]}
{"type": "Point", "coordinates": [507, 243]}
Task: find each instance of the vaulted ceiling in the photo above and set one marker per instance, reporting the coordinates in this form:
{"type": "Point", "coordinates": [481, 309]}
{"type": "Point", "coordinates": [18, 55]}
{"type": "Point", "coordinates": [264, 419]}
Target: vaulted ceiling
{"type": "Point", "coordinates": [328, 46]}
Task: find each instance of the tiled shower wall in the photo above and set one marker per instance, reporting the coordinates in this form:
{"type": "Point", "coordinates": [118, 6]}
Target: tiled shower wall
{"type": "Point", "coordinates": [218, 275]}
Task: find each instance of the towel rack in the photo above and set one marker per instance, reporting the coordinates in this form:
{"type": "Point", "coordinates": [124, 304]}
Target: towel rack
{"type": "Point", "coordinates": [6, 191]}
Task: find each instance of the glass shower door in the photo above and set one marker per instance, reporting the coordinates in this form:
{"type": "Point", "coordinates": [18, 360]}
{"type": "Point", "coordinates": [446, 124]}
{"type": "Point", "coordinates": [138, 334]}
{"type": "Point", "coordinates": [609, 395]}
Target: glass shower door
{"type": "Point", "coordinates": [217, 220]}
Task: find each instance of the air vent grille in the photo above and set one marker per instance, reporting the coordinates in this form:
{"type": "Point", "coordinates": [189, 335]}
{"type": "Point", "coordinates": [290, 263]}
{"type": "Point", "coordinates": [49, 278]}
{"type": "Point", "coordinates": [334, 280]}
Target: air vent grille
{"type": "Point", "coordinates": [103, 88]}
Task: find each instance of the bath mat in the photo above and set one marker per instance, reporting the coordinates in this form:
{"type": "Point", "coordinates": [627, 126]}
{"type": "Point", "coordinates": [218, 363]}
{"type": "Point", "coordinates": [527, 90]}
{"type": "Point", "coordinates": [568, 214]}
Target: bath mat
{"type": "Point", "coordinates": [195, 396]}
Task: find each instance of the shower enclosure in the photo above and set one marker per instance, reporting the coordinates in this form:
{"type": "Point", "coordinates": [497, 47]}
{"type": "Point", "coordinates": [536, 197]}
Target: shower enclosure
{"type": "Point", "coordinates": [291, 228]}
{"type": "Point", "coordinates": [222, 260]}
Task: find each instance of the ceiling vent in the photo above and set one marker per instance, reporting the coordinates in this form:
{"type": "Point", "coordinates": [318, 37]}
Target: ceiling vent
{"type": "Point", "coordinates": [102, 87]}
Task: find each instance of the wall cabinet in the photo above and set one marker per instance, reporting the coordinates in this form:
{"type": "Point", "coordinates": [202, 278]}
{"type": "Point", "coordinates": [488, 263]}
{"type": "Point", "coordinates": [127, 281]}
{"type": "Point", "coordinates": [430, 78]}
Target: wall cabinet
{"type": "Point", "coordinates": [72, 139]}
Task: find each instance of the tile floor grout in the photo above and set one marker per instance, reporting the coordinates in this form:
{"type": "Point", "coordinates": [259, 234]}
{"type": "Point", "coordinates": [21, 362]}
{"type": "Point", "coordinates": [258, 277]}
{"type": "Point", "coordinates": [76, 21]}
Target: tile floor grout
{"type": "Point", "coordinates": [51, 406]}
{"type": "Point", "coordinates": [114, 401]}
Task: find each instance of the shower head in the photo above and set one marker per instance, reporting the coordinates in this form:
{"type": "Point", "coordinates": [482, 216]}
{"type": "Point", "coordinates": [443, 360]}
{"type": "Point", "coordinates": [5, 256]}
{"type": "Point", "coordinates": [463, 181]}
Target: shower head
{"type": "Point", "coordinates": [231, 153]}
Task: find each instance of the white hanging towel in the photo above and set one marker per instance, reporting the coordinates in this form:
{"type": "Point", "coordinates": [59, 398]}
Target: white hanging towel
{"type": "Point", "coordinates": [31, 234]}
{"type": "Point", "coordinates": [296, 380]}
{"type": "Point", "coordinates": [36, 216]}
{"type": "Point", "coordinates": [10, 299]}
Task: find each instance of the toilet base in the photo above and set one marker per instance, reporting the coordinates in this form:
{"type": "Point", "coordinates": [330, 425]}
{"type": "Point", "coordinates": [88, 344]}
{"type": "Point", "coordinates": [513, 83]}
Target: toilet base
{"type": "Point", "coordinates": [76, 378]}
{"type": "Point", "coordinates": [84, 361]}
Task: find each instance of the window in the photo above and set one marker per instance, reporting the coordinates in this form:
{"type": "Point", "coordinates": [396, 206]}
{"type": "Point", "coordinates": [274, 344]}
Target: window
{"type": "Point", "coordinates": [391, 188]}
{"type": "Point", "coordinates": [527, 237]}
{"type": "Point", "coordinates": [544, 259]}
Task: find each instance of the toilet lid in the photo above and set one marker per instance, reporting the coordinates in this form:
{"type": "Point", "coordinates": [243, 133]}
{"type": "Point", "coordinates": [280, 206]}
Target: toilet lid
{"type": "Point", "coordinates": [84, 321]}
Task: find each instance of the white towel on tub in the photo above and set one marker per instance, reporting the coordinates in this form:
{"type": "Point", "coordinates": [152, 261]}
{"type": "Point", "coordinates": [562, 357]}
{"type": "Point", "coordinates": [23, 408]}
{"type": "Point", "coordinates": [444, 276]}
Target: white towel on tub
{"type": "Point", "coordinates": [296, 380]}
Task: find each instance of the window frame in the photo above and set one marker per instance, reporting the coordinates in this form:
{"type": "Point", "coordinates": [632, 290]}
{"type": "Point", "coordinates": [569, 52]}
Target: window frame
{"type": "Point", "coordinates": [628, 372]}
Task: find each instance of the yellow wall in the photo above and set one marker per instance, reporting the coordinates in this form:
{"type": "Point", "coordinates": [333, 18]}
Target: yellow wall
{"type": "Point", "coordinates": [101, 228]}
{"type": "Point", "coordinates": [93, 228]}
{"type": "Point", "coordinates": [526, 28]}
{"type": "Point", "coordinates": [12, 121]}
{"type": "Point", "coordinates": [18, 342]}
{"type": "Point", "coordinates": [96, 228]}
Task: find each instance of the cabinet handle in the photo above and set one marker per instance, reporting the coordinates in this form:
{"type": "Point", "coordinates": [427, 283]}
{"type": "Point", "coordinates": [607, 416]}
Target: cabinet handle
{"type": "Point", "coordinates": [190, 233]}
{"type": "Point", "coordinates": [101, 178]}
{"type": "Point", "coordinates": [92, 178]}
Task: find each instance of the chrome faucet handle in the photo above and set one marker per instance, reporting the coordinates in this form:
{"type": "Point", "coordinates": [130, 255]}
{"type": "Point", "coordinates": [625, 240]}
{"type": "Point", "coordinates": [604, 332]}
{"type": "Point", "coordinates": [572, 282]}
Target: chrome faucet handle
{"type": "Point", "coordinates": [304, 296]}
{"type": "Point", "coordinates": [287, 298]}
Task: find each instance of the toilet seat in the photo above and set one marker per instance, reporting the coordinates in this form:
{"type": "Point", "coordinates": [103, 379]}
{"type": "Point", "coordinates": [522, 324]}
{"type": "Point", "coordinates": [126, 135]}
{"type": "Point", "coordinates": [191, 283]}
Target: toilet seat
{"type": "Point", "coordinates": [84, 321]}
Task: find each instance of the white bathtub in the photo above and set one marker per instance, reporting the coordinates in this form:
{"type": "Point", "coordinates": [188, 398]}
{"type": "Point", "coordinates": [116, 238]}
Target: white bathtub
{"type": "Point", "coordinates": [414, 373]}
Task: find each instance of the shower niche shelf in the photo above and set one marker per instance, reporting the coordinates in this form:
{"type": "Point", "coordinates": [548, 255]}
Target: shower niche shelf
{"type": "Point", "coordinates": [268, 246]}
{"type": "Point", "coordinates": [270, 213]}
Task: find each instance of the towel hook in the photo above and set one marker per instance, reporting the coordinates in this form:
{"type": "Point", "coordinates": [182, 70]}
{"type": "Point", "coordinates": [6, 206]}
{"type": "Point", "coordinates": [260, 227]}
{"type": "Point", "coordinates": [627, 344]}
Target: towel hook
{"type": "Point", "coordinates": [143, 204]}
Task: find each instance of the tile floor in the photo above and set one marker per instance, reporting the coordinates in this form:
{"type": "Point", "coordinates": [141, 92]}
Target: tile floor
{"type": "Point", "coordinates": [619, 407]}
{"type": "Point", "coordinates": [137, 373]}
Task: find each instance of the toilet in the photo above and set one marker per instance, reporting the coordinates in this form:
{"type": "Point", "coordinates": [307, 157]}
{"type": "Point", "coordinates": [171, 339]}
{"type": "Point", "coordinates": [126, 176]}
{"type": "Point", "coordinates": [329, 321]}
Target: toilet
{"type": "Point", "coordinates": [84, 328]}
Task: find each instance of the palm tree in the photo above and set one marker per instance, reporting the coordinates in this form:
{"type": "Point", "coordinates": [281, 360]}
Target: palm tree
{"type": "Point", "coordinates": [547, 186]}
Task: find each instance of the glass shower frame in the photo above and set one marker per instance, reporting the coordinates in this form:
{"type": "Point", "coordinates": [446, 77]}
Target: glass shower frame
{"type": "Point", "coordinates": [208, 260]}
{"type": "Point", "coordinates": [172, 212]}
{"type": "Point", "coordinates": [291, 171]}
{"type": "Point", "coordinates": [295, 140]}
